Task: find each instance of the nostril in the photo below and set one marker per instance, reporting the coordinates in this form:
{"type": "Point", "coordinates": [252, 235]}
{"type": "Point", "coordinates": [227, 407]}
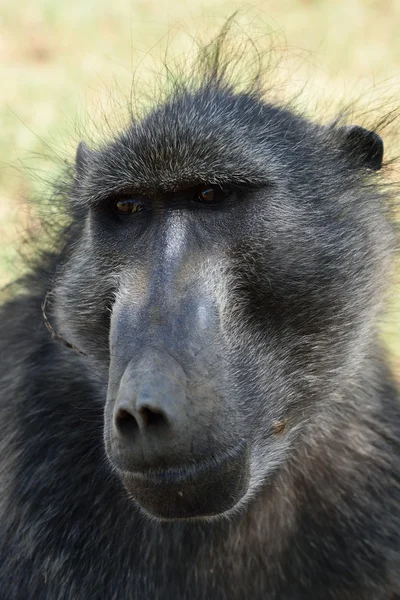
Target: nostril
{"type": "Point", "coordinates": [126, 423]}
{"type": "Point", "coordinates": [152, 417]}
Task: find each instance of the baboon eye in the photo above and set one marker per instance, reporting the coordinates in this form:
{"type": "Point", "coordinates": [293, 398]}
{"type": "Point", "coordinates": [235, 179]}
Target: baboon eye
{"type": "Point", "coordinates": [128, 206]}
{"type": "Point", "coordinates": [211, 194]}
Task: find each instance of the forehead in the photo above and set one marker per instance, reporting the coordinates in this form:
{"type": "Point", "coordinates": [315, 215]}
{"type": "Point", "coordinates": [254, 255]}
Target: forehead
{"type": "Point", "coordinates": [214, 137]}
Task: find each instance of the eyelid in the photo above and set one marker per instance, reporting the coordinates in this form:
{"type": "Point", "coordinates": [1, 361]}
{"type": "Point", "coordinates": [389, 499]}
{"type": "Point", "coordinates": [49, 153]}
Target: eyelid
{"type": "Point", "coordinates": [215, 194]}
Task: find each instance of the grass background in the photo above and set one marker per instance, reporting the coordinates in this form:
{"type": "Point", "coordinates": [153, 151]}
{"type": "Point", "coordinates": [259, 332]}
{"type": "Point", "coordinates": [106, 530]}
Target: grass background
{"type": "Point", "coordinates": [64, 65]}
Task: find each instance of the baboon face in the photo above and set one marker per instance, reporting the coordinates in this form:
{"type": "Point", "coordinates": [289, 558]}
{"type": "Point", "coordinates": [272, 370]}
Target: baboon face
{"type": "Point", "coordinates": [221, 279]}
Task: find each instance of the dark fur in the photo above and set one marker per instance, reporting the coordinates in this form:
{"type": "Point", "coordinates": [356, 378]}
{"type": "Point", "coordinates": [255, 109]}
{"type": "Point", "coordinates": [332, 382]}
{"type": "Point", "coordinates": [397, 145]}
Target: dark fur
{"type": "Point", "coordinates": [302, 254]}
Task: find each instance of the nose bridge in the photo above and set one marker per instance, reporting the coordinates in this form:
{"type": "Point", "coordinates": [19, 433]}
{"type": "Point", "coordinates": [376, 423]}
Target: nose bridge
{"type": "Point", "coordinates": [172, 257]}
{"type": "Point", "coordinates": [178, 310]}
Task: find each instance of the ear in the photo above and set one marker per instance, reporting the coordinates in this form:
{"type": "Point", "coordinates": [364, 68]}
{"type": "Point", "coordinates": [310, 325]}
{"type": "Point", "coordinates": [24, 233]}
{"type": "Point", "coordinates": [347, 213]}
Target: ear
{"type": "Point", "coordinates": [366, 147]}
{"type": "Point", "coordinates": [84, 156]}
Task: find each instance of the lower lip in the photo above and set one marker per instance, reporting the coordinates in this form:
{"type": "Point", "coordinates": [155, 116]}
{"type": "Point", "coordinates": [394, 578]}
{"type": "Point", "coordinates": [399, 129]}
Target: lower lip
{"type": "Point", "coordinates": [209, 487]}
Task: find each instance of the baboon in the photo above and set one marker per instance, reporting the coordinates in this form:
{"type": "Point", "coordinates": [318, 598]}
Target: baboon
{"type": "Point", "coordinates": [195, 404]}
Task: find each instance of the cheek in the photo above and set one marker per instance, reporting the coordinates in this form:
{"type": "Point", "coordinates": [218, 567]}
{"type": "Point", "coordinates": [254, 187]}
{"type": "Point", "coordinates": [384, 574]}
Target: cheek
{"type": "Point", "coordinates": [83, 297]}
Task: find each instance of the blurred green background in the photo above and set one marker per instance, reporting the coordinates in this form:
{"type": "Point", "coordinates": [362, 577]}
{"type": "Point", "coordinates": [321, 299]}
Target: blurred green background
{"type": "Point", "coordinates": [64, 65]}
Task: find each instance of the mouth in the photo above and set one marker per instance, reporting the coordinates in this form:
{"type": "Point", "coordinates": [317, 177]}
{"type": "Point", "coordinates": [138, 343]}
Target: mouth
{"type": "Point", "coordinates": [203, 489]}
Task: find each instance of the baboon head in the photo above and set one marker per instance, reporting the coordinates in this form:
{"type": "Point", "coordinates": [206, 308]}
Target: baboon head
{"type": "Point", "coordinates": [225, 279]}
